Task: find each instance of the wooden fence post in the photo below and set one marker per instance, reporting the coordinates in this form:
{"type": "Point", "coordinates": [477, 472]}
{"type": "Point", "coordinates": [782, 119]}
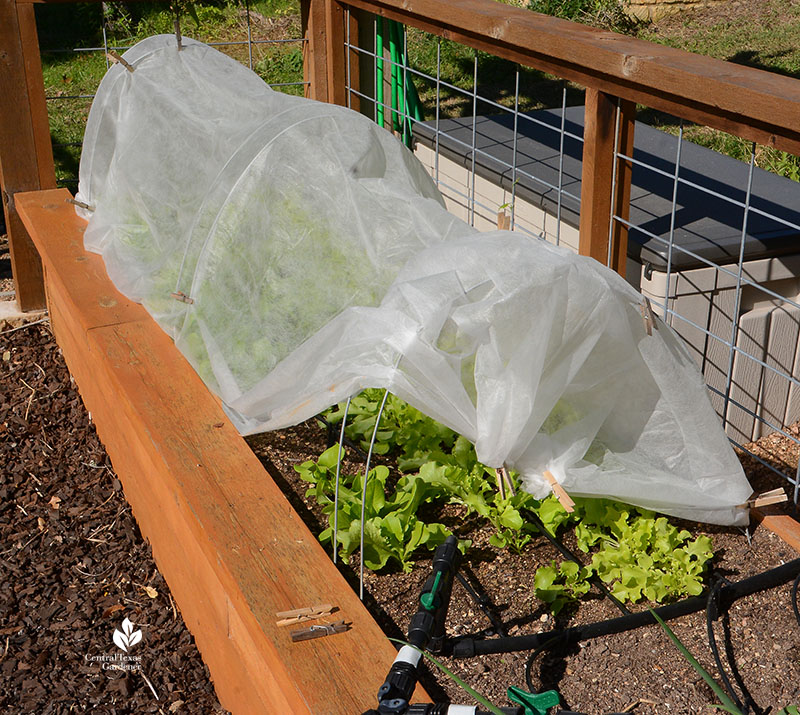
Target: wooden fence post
{"type": "Point", "coordinates": [26, 153]}
{"type": "Point", "coordinates": [315, 70]}
{"type": "Point", "coordinates": [335, 50]}
{"type": "Point", "coordinates": [324, 56]}
{"type": "Point", "coordinates": [353, 58]}
{"type": "Point", "coordinates": [601, 191]}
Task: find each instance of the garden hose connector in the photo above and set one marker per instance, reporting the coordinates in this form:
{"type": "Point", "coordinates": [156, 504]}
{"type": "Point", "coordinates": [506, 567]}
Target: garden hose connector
{"type": "Point", "coordinates": [427, 625]}
{"type": "Point", "coordinates": [397, 689]}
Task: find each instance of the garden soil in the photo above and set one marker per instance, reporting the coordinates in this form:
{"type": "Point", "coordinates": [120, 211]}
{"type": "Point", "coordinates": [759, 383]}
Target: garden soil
{"type": "Point", "coordinates": [73, 565]}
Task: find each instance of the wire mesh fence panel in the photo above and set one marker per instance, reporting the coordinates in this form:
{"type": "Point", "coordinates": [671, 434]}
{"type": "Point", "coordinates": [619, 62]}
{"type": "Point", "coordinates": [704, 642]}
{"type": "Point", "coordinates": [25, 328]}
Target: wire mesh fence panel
{"type": "Point", "coordinates": [711, 227]}
{"type": "Point", "coordinates": [715, 235]}
{"type": "Point", "coordinates": [492, 133]}
{"type": "Point", "coordinates": [75, 41]}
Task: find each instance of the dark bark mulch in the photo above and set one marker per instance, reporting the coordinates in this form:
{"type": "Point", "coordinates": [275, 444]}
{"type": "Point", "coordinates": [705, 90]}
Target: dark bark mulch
{"type": "Point", "coordinates": [73, 564]}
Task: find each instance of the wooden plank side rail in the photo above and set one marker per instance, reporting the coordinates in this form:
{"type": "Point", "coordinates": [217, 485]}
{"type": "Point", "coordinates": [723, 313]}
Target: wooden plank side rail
{"type": "Point", "coordinates": [757, 105]}
{"type": "Point", "coordinates": [26, 154]}
{"type": "Point", "coordinates": [228, 542]}
{"type": "Point", "coordinates": [782, 525]}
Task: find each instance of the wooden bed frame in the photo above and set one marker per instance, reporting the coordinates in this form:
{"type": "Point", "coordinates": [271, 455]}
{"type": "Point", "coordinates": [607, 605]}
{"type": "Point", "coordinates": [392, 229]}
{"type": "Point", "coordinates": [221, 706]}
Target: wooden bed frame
{"type": "Point", "coordinates": [231, 547]}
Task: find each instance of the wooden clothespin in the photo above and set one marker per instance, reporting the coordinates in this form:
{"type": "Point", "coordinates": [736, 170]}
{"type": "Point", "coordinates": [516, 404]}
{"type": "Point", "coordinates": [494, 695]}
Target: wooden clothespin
{"type": "Point", "coordinates": [503, 220]}
{"type": "Point", "coordinates": [299, 615]}
{"type": "Point", "coordinates": [774, 496]}
{"type": "Point", "coordinates": [501, 485]}
{"type": "Point", "coordinates": [560, 492]}
{"type": "Point", "coordinates": [319, 631]}
{"type": "Point", "coordinates": [504, 481]}
{"type": "Point", "coordinates": [74, 202]}
{"type": "Point", "coordinates": [648, 316]}
{"type": "Point", "coordinates": [115, 57]}
{"type": "Point", "coordinates": [182, 297]}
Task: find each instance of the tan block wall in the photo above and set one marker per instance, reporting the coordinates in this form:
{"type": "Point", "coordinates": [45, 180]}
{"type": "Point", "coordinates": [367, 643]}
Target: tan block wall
{"type": "Point", "coordinates": [656, 9]}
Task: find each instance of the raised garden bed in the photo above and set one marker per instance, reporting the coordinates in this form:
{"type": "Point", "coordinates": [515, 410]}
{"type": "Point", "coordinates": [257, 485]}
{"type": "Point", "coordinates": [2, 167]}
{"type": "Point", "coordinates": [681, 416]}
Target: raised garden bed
{"type": "Point", "coordinates": [172, 446]}
{"type": "Point", "coordinates": [612, 674]}
{"type": "Point", "coordinates": [230, 546]}
{"type": "Point", "coordinates": [73, 559]}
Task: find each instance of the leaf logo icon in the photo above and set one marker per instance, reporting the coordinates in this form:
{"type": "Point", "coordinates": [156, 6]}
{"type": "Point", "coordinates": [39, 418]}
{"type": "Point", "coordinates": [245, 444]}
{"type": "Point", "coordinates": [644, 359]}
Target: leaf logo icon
{"type": "Point", "coordinates": [127, 637]}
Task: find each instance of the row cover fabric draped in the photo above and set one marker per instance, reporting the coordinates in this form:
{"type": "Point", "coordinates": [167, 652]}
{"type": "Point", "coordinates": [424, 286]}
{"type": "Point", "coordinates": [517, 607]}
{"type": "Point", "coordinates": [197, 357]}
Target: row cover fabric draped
{"type": "Point", "coordinates": [297, 253]}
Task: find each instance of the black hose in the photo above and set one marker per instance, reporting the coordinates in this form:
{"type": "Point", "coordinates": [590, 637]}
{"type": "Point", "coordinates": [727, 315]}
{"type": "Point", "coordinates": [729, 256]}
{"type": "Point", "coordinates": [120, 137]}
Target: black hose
{"type": "Point", "coordinates": [532, 658]}
{"type": "Point", "coordinates": [482, 600]}
{"type": "Point", "coordinates": [712, 613]}
{"type": "Point", "coordinates": [567, 553]}
{"type": "Point", "coordinates": [333, 438]}
{"type": "Point", "coordinates": [468, 647]}
{"type": "Point", "coordinates": [795, 587]}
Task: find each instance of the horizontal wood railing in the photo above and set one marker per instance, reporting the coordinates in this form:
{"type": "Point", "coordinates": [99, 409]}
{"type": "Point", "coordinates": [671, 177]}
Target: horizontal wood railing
{"type": "Point", "coordinates": [618, 72]}
{"type": "Point", "coordinates": [615, 69]}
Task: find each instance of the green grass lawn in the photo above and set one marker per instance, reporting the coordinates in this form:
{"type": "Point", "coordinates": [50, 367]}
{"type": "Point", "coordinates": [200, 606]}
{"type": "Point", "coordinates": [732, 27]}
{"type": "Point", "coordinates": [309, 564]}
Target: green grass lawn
{"type": "Point", "coordinates": [759, 33]}
{"type": "Point", "coordinates": [71, 76]}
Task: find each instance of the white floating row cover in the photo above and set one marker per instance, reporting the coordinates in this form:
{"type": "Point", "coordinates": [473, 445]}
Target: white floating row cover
{"type": "Point", "coordinates": [297, 253]}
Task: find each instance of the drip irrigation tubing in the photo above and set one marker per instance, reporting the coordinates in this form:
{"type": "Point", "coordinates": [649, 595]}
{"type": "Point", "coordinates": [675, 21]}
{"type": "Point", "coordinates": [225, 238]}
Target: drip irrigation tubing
{"type": "Point", "coordinates": [713, 613]}
{"type": "Point", "coordinates": [567, 553]}
{"type": "Point", "coordinates": [332, 438]}
{"type": "Point", "coordinates": [482, 600]}
{"type": "Point", "coordinates": [468, 647]}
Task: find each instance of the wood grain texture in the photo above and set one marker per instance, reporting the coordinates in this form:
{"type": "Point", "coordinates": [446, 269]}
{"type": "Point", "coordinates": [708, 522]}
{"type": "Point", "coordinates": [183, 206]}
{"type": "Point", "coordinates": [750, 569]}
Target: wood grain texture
{"type": "Point", "coordinates": [315, 69]}
{"type": "Point", "coordinates": [621, 191]}
{"type": "Point", "coordinates": [597, 171]}
{"type": "Point", "coordinates": [229, 544]}
{"type": "Point", "coordinates": [335, 52]}
{"type": "Point", "coordinates": [781, 524]}
{"type": "Point", "coordinates": [26, 157]}
{"type": "Point", "coordinates": [353, 59]}
{"type": "Point", "coordinates": [36, 97]}
{"type": "Point", "coordinates": [758, 105]}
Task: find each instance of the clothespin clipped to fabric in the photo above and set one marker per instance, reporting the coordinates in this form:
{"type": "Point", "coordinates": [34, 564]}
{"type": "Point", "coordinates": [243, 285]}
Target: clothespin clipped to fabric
{"type": "Point", "coordinates": [648, 316]}
{"type": "Point", "coordinates": [176, 22]}
{"type": "Point", "coordinates": [182, 297]}
{"type": "Point", "coordinates": [74, 202]}
{"type": "Point", "coordinates": [774, 496]}
{"type": "Point", "coordinates": [503, 220]}
{"type": "Point", "coordinates": [560, 492]}
{"type": "Point", "coordinates": [504, 482]}
{"type": "Point", "coordinates": [117, 58]}
{"type": "Point", "coordinates": [319, 631]}
{"type": "Point", "coordinates": [299, 615]}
